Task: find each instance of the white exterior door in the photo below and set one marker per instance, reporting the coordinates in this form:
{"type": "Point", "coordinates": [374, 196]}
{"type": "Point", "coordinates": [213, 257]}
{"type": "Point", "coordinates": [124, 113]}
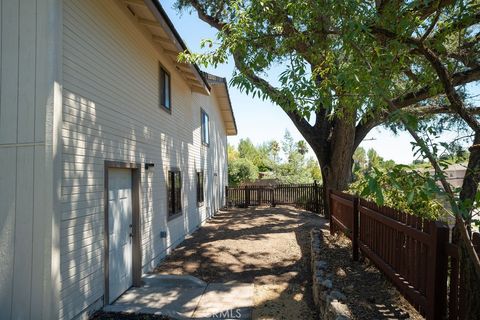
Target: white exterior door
{"type": "Point", "coordinates": [119, 231]}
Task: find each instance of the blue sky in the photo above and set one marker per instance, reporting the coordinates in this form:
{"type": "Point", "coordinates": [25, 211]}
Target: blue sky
{"type": "Point", "coordinates": [262, 120]}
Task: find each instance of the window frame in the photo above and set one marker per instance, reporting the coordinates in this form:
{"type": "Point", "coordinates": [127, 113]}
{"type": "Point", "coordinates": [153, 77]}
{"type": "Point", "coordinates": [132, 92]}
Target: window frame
{"type": "Point", "coordinates": [207, 135]}
{"type": "Point", "coordinates": [174, 196]}
{"type": "Point", "coordinates": [200, 188]}
{"type": "Point", "coordinates": [161, 89]}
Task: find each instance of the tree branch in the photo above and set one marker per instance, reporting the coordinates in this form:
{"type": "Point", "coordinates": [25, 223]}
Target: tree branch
{"type": "Point", "coordinates": [472, 174]}
{"type": "Point", "coordinates": [427, 8]}
{"type": "Point", "coordinates": [456, 103]}
{"type": "Point", "coordinates": [433, 161]}
{"type": "Point", "coordinates": [215, 22]}
{"type": "Point", "coordinates": [457, 79]}
{"type": "Point", "coordinates": [411, 98]}
{"type": "Point", "coordinates": [274, 94]}
{"type": "Point", "coordinates": [432, 26]}
{"type": "Point", "coordinates": [443, 109]}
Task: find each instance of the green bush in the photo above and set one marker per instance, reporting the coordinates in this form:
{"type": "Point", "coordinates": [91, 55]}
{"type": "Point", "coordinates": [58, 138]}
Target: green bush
{"type": "Point", "coordinates": [404, 189]}
{"type": "Point", "coordinates": [241, 170]}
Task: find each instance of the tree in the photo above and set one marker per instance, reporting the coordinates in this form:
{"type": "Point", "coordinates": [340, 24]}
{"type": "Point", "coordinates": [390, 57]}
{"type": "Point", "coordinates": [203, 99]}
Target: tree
{"type": "Point", "coordinates": [294, 170]}
{"type": "Point", "coordinates": [342, 65]}
{"type": "Point", "coordinates": [258, 155]}
{"type": "Point", "coordinates": [314, 170]}
{"type": "Point", "coordinates": [232, 153]}
{"type": "Point", "coordinates": [302, 147]}
{"type": "Point", "coordinates": [351, 66]}
{"type": "Point", "coordinates": [359, 160]}
{"type": "Point", "coordinates": [246, 149]}
{"type": "Point", "coordinates": [241, 171]}
{"type": "Point", "coordinates": [374, 160]}
{"type": "Point", "coordinates": [288, 144]}
{"type": "Point", "coordinates": [274, 149]}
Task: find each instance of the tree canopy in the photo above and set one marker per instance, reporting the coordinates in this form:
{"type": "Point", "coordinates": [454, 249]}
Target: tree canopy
{"type": "Point", "coordinates": [349, 66]}
{"type": "Point", "coordinates": [345, 66]}
{"type": "Point", "coordinates": [249, 163]}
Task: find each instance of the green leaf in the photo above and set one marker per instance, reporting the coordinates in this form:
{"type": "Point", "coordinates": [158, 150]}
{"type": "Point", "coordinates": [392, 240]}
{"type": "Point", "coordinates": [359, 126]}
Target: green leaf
{"type": "Point", "coordinates": [410, 196]}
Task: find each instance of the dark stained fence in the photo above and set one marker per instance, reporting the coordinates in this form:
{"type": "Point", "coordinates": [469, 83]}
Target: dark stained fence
{"type": "Point", "coordinates": [304, 196]}
{"type": "Point", "coordinates": [456, 287]}
{"type": "Point", "coordinates": [410, 251]}
{"type": "Point", "coordinates": [414, 253]}
{"type": "Point", "coordinates": [343, 205]}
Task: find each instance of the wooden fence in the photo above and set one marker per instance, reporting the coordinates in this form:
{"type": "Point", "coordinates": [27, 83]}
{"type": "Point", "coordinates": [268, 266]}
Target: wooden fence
{"type": "Point", "coordinates": [414, 253]}
{"type": "Point", "coordinates": [456, 292]}
{"type": "Point", "coordinates": [305, 196]}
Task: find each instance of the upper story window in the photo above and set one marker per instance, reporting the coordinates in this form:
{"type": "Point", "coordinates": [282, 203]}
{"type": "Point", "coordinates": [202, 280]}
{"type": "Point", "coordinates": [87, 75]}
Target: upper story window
{"type": "Point", "coordinates": [200, 188]}
{"type": "Point", "coordinates": [205, 128]}
{"type": "Point", "coordinates": [165, 89]}
{"type": "Point", "coordinates": [174, 191]}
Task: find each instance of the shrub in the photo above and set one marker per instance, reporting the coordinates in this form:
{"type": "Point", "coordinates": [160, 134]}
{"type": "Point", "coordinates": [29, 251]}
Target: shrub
{"type": "Point", "coordinates": [404, 189]}
{"type": "Point", "coordinates": [241, 170]}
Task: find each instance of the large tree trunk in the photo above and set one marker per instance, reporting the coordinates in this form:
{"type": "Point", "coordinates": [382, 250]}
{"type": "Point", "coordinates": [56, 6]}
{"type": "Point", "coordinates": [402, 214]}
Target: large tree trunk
{"type": "Point", "coordinates": [467, 195]}
{"type": "Point", "coordinates": [471, 290]}
{"type": "Point", "coordinates": [338, 169]}
{"type": "Point", "coordinates": [472, 177]}
{"type": "Point", "coordinates": [333, 141]}
{"type": "Point", "coordinates": [335, 158]}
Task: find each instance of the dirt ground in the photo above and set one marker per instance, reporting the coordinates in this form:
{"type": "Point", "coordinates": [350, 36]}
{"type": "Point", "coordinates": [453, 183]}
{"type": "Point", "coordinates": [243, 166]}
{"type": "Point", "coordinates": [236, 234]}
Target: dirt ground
{"type": "Point", "coordinates": [370, 295]}
{"type": "Point", "coordinates": [268, 247]}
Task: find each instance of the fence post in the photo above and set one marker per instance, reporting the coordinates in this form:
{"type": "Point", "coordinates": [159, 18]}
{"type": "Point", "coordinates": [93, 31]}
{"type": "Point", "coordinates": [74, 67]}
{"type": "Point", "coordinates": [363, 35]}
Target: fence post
{"type": "Point", "coordinates": [330, 208]}
{"type": "Point", "coordinates": [476, 241]}
{"type": "Point", "coordinates": [317, 199]}
{"type": "Point", "coordinates": [273, 197]}
{"type": "Point", "coordinates": [227, 202]}
{"type": "Point", "coordinates": [437, 275]}
{"type": "Point", "coordinates": [355, 229]}
{"type": "Point", "coordinates": [247, 196]}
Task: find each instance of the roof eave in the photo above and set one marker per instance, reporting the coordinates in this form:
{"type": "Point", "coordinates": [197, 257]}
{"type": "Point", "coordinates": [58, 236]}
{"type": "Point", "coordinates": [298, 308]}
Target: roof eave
{"type": "Point", "coordinates": [231, 110]}
{"type": "Point", "coordinates": [162, 18]}
{"type": "Point", "coordinates": [231, 130]}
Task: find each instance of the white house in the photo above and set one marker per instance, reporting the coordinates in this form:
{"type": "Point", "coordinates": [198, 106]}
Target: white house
{"type": "Point", "coordinates": [111, 151]}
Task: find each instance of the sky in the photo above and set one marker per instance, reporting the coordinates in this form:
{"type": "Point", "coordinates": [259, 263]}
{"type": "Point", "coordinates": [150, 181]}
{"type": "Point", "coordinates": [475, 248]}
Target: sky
{"type": "Point", "coordinates": [263, 121]}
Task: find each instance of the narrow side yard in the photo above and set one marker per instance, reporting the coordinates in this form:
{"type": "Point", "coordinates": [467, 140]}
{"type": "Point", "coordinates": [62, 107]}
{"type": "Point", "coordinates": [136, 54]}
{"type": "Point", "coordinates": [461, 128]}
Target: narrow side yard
{"type": "Point", "coordinates": [268, 247]}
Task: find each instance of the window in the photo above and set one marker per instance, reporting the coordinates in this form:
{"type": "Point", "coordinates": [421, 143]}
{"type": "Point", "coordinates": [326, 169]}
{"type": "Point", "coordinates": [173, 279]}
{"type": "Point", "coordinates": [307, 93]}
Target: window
{"type": "Point", "coordinates": [200, 184]}
{"type": "Point", "coordinates": [165, 89]}
{"type": "Point", "coordinates": [174, 190]}
{"type": "Point", "coordinates": [205, 128]}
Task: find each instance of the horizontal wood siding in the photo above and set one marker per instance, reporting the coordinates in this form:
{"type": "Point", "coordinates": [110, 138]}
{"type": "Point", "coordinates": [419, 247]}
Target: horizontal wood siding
{"type": "Point", "coordinates": [27, 53]}
{"type": "Point", "coordinates": [111, 111]}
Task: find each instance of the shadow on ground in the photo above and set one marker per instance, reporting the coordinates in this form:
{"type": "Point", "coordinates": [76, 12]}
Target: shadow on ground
{"type": "Point", "coordinates": [265, 246]}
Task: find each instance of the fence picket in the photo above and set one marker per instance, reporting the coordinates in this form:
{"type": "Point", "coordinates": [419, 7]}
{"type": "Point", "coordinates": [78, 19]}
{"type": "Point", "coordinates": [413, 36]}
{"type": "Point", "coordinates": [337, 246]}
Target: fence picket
{"type": "Point", "coordinates": [411, 251]}
{"type": "Point", "coordinates": [305, 196]}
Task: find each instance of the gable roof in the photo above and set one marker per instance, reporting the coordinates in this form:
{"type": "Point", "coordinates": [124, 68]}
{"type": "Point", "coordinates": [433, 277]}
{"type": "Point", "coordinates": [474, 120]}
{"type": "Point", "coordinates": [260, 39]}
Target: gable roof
{"type": "Point", "coordinates": [220, 88]}
{"type": "Point", "coordinates": [154, 21]}
{"type": "Point", "coordinates": [152, 18]}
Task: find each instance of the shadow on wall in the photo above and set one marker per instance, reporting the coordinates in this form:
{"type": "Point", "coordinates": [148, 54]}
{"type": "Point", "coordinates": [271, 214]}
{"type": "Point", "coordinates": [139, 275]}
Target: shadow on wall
{"type": "Point", "coordinates": [111, 113]}
{"type": "Point", "coordinates": [87, 143]}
